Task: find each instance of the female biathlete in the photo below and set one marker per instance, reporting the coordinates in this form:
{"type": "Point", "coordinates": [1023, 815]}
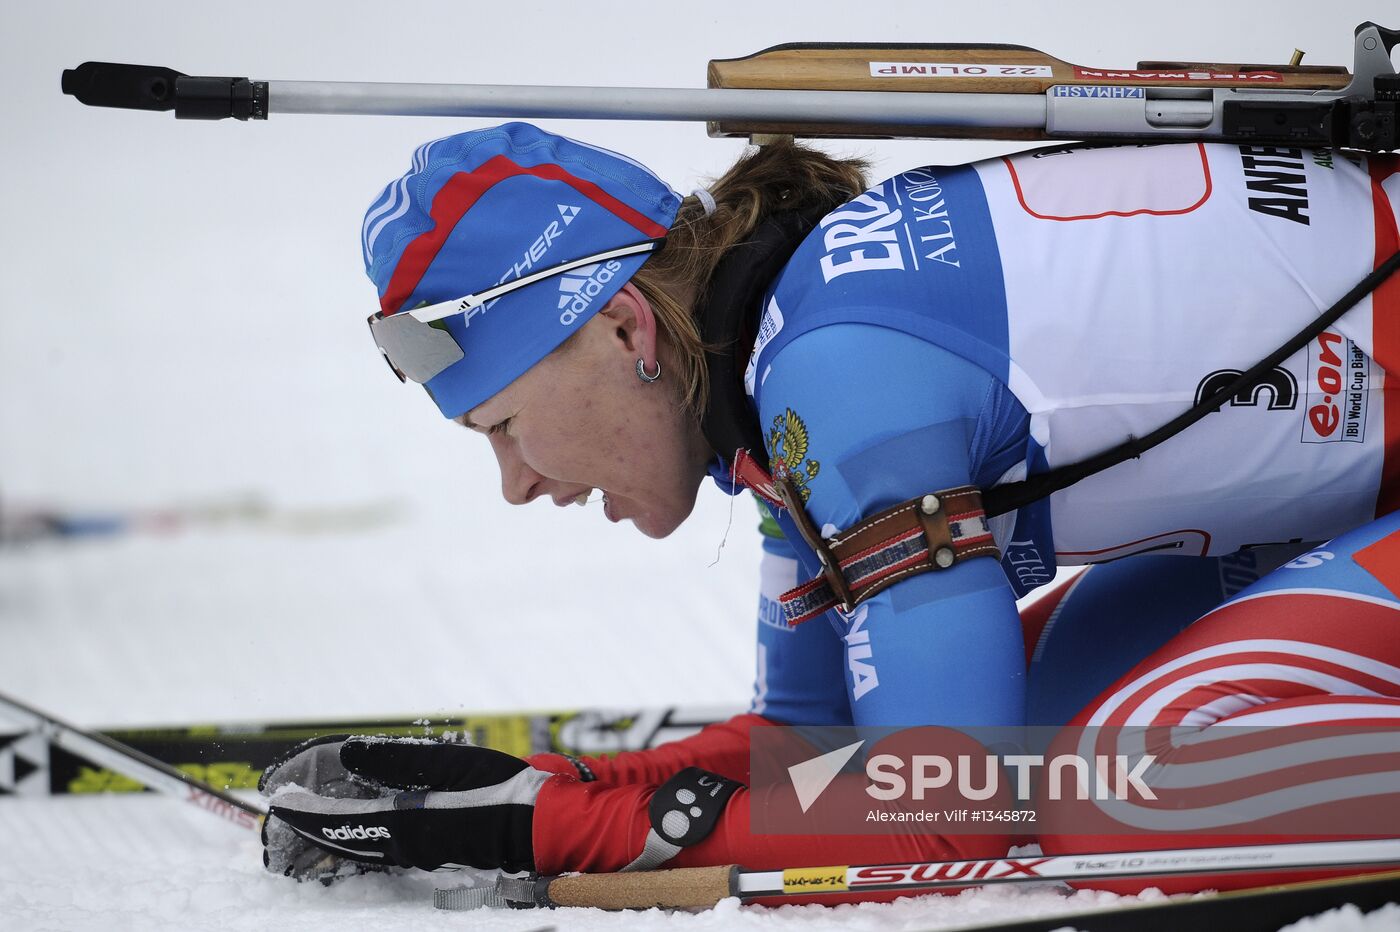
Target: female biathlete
{"type": "Point", "coordinates": [889, 353]}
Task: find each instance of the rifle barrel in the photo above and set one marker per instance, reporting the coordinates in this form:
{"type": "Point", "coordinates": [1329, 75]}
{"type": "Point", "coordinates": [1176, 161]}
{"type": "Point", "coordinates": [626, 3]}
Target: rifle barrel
{"type": "Point", "coordinates": [657, 103]}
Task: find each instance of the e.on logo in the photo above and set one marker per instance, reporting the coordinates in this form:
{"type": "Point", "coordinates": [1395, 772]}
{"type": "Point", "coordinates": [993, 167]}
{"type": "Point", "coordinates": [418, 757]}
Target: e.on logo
{"type": "Point", "coordinates": [1338, 384]}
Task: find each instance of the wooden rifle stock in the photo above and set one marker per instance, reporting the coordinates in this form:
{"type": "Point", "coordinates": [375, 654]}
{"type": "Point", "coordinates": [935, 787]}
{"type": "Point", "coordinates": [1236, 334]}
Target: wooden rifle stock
{"type": "Point", "coordinates": [974, 69]}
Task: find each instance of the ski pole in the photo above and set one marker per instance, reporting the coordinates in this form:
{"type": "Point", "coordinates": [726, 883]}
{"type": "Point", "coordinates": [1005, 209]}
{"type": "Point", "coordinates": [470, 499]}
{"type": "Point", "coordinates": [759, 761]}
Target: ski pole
{"type": "Point", "coordinates": [703, 887]}
{"type": "Point", "coordinates": [135, 764]}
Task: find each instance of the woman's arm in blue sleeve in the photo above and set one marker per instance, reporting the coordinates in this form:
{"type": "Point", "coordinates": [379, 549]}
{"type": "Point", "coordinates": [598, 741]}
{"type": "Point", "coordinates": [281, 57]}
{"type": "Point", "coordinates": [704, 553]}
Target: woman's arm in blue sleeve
{"type": "Point", "coordinates": [885, 417]}
{"type": "Point", "coordinates": [798, 677]}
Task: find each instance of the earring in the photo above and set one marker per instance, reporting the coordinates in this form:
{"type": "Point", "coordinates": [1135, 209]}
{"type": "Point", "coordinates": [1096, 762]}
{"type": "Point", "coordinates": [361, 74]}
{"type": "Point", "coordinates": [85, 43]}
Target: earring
{"type": "Point", "coordinates": [648, 376]}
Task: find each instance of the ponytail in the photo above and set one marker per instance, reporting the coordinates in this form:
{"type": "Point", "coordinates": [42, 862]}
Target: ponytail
{"type": "Point", "coordinates": [782, 175]}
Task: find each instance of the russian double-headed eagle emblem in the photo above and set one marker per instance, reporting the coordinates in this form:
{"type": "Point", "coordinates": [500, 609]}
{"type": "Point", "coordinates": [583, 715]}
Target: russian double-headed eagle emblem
{"type": "Point", "coordinates": [787, 448]}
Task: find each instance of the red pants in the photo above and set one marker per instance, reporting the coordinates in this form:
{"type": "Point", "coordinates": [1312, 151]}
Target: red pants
{"type": "Point", "coordinates": [1325, 661]}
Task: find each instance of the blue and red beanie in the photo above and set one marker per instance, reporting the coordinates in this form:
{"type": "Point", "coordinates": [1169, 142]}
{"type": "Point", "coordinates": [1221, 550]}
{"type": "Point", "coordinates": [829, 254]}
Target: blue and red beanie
{"type": "Point", "coordinates": [485, 207]}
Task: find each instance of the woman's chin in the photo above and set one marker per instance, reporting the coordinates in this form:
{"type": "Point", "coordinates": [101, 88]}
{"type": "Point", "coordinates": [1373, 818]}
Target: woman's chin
{"type": "Point", "coordinates": [653, 528]}
{"type": "Point", "coordinates": [663, 524]}
{"type": "Point", "coordinates": [656, 521]}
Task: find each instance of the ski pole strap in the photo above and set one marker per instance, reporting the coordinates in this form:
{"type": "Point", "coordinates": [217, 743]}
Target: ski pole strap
{"type": "Point", "coordinates": [585, 772]}
{"type": "Point", "coordinates": [683, 812]}
{"type": "Point", "coordinates": [932, 532]}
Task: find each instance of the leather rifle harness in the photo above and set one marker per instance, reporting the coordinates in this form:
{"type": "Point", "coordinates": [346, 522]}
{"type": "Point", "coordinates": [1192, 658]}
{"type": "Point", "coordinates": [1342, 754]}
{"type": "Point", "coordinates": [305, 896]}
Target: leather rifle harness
{"type": "Point", "coordinates": [935, 530]}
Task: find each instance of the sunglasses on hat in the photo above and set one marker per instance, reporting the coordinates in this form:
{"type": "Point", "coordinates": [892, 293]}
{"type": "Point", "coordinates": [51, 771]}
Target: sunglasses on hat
{"type": "Point", "coordinates": [418, 347]}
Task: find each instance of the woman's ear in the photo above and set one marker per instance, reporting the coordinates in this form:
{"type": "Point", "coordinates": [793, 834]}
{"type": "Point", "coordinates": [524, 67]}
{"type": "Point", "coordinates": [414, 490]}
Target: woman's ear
{"type": "Point", "coordinates": [633, 322]}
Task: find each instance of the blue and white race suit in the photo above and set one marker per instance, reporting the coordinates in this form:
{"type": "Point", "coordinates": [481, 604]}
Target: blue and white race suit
{"type": "Point", "coordinates": [975, 324]}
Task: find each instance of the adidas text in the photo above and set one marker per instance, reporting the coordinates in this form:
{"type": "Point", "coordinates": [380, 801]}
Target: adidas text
{"type": "Point", "coordinates": [578, 288]}
{"type": "Point", "coordinates": [346, 833]}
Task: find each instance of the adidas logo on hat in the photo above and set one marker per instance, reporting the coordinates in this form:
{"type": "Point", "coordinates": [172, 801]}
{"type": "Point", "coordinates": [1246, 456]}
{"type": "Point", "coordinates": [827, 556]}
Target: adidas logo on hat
{"type": "Point", "coordinates": [572, 282]}
{"type": "Point", "coordinates": [578, 287]}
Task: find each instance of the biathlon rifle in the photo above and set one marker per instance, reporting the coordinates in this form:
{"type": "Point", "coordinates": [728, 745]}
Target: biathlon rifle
{"type": "Point", "coordinates": [866, 90]}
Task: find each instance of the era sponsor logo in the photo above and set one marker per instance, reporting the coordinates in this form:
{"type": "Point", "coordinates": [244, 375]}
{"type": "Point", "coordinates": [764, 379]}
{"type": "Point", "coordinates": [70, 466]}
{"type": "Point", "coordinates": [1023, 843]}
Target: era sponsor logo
{"type": "Point", "coordinates": [1097, 91]}
{"type": "Point", "coordinates": [1244, 77]}
{"type": "Point", "coordinates": [358, 832]}
{"type": "Point", "coordinates": [863, 235]}
{"type": "Point", "coordinates": [1279, 182]}
{"type": "Point", "coordinates": [934, 69]}
{"type": "Point", "coordinates": [1339, 378]}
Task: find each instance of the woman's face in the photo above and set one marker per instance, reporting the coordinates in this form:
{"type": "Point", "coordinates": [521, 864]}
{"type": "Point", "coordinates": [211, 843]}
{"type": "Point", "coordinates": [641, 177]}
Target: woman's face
{"type": "Point", "coordinates": [580, 420]}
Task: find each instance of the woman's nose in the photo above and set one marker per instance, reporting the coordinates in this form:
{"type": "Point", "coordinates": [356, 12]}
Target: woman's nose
{"type": "Point", "coordinates": [519, 483]}
{"type": "Point", "coordinates": [520, 490]}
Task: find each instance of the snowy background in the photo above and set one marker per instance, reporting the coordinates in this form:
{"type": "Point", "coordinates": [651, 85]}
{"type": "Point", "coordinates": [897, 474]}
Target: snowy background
{"type": "Point", "coordinates": [183, 326]}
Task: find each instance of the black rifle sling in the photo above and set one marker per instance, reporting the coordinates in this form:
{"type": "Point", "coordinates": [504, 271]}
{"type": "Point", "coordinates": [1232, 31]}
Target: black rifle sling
{"type": "Point", "coordinates": [1013, 495]}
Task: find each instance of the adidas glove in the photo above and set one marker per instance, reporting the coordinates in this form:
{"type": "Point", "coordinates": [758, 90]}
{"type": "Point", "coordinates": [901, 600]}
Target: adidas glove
{"type": "Point", "coordinates": [408, 802]}
{"type": "Point", "coordinates": [313, 765]}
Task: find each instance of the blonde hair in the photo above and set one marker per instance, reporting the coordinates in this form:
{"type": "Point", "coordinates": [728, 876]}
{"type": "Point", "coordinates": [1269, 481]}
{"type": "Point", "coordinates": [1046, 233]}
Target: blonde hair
{"type": "Point", "coordinates": [781, 175]}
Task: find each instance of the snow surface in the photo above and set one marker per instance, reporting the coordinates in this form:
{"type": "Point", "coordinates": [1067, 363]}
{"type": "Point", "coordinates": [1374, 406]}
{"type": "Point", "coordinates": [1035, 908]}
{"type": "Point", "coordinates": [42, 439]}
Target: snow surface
{"type": "Point", "coordinates": [147, 863]}
{"type": "Point", "coordinates": [182, 324]}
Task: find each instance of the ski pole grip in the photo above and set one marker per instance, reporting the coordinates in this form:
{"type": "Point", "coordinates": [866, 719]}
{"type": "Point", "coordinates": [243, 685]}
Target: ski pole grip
{"type": "Point", "coordinates": [679, 888]}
